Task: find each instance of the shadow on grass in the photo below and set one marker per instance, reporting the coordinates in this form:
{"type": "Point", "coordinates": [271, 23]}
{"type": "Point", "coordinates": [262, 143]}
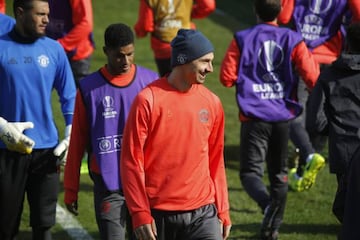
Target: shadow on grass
{"type": "Point", "coordinates": [251, 230]}
{"type": "Point", "coordinates": [58, 235]}
{"type": "Point", "coordinates": [231, 155]}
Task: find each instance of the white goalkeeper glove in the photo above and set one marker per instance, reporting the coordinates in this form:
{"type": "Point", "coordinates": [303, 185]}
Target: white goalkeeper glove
{"type": "Point", "coordinates": [62, 148]}
{"type": "Point", "coordinates": [11, 133]}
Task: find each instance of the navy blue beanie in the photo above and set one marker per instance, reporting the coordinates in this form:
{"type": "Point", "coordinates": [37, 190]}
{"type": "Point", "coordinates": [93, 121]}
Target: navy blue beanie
{"type": "Point", "coordinates": [189, 45]}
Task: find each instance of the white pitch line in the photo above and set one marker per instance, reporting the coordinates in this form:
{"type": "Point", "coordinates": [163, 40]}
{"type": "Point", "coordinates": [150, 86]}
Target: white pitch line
{"type": "Point", "coordinates": [71, 225]}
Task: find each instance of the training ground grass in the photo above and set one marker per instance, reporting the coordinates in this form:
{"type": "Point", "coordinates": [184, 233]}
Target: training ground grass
{"type": "Point", "coordinates": [308, 214]}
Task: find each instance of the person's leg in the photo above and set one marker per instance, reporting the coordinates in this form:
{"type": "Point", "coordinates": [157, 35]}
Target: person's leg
{"type": "Point", "coordinates": [42, 192]}
{"type": "Point", "coordinates": [351, 218]}
{"type": "Point", "coordinates": [253, 149]}
{"type": "Point", "coordinates": [339, 200]}
{"type": "Point", "coordinates": [13, 177]}
{"type": "Point", "coordinates": [277, 171]}
{"type": "Point", "coordinates": [310, 162]}
{"type": "Point", "coordinates": [204, 224]}
{"type": "Point", "coordinates": [298, 134]}
{"type": "Point", "coordinates": [110, 209]}
{"type": "Point", "coordinates": [80, 69]}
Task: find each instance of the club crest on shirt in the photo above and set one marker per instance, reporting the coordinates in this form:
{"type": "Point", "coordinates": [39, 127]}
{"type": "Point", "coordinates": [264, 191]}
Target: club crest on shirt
{"type": "Point", "coordinates": [43, 60]}
{"type": "Point", "coordinates": [204, 115]}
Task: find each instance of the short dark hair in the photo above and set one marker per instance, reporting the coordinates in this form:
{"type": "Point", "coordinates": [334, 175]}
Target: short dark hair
{"type": "Point", "coordinates": [267, 10]}
{"type": "Point", "coordinates": [118, 35]}
{"type": "Point", "coordinates": [24, 4]}
{"type": "Point", "coordinates": [353, 37]}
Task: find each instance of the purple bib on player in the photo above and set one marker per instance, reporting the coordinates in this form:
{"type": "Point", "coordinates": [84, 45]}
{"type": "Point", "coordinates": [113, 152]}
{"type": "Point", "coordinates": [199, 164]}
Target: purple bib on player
{"type": "Point", "coordinates": [266, 86]}
{"type": "Point", "coordinates": [108, 107]}
{"type": "Point", "coordinates": [318, 20]}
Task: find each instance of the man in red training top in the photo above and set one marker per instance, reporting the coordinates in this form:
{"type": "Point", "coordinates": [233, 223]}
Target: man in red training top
{"type": "Point", "coordinates": [163, 18]}
{"type": "Point", "coordinates": [172, 168]}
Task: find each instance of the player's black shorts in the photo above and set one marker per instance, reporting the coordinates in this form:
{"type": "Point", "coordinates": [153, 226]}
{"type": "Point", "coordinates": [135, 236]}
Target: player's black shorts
{"type": "Point", "coordinates": [37, 175]}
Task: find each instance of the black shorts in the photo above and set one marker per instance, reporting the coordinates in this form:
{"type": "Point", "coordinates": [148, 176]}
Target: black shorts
{"type": "Point", "coordinates": [37, 175]}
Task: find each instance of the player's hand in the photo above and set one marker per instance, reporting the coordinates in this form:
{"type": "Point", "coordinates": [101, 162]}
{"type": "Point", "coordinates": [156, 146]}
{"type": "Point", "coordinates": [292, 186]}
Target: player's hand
{"type": "Point", "coordinates": [226, 231]}
{"type": "Point", "coordinates": [73, 208]}
{"type": "Point", "coordinates": [62, 148]}
{"type": "Point", "coordinates": [11, 133]}
{"type": "Point", "coordinates": [146, 232]}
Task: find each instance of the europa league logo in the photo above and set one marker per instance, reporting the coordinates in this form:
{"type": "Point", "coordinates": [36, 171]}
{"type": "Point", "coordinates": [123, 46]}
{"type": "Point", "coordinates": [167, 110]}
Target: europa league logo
{"type": "Point", "coordinates": [270, 56]}
{"type": "Point", "coordinates": [320, 6]}
{"type": "Point", "coordinates": [108, 102]}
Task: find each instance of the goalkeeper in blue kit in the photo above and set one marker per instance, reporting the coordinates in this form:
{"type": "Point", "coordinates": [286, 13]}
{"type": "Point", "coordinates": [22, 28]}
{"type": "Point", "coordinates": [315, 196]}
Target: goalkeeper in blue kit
{"type": "Point", "coordinates": [31, 67]}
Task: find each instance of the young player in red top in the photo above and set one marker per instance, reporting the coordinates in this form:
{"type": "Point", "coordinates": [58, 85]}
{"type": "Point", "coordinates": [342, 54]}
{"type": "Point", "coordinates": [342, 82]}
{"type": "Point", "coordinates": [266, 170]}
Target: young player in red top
{"type": "Point", "coordinates": [163, 18]}
{"type": "Point", "coordinates": [172, 167]}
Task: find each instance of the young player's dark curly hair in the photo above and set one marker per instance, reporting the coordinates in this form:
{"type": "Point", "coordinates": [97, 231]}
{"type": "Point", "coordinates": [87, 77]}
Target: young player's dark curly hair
{"type": "Point", "coordinates": [118, 35]}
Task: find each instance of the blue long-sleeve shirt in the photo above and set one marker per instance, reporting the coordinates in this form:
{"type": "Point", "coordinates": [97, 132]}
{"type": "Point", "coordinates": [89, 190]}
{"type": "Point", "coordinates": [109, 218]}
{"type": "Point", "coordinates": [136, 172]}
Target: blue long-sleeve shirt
{"type": "Point", "coordinates": [29, 71]}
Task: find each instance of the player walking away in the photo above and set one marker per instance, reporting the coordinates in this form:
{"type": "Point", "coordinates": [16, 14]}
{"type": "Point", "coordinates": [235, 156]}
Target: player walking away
{"type": "Point", "coordinates": [31, 67]}
{"type": "Point", "coordinates": [259, 63]}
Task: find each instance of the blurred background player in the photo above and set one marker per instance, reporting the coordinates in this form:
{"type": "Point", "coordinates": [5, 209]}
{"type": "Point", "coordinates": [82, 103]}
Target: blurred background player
{"type": "Point", "coordinates": [2, 6]}
{"type": "Point", "coordinates": [71, 24]}
{"type": "Point", "coordinates": [320, 23]}
{"type": "Point", "coordinates": [31, 67]}
{"type": "Point", "coordinates": [102, 105]}
{"type": "Point", "coordinates": [259, 63]}
{"type": "Point", "coordinates": [163, 18]}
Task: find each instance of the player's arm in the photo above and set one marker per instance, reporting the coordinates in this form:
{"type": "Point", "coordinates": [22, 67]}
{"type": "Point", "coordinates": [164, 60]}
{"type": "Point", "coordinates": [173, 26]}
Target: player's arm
{"type": "Point", "coordinates": [229, 66]}
{"type": "Point", "coordinates": [217, 169]}
{"type": "Point", "coordinates": [305, 64]}
{"type": "Point", "coordinates": [78, 143]}
{"type": "Point", "coordinates": [203, 8]}
{"type": "Point", "coordinates": [132, 169]}
{"type": "Point", "coordinates": [354, 6]}
{"type": "Point", "coordinates": [145, 22]}
{"type": "Point", "coordinates": [287, 10]}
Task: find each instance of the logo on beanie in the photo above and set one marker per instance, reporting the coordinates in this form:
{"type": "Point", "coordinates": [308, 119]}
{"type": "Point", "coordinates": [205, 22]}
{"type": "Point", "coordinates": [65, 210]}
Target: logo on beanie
{"type": "Point", "coordinates": [181, 58]}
